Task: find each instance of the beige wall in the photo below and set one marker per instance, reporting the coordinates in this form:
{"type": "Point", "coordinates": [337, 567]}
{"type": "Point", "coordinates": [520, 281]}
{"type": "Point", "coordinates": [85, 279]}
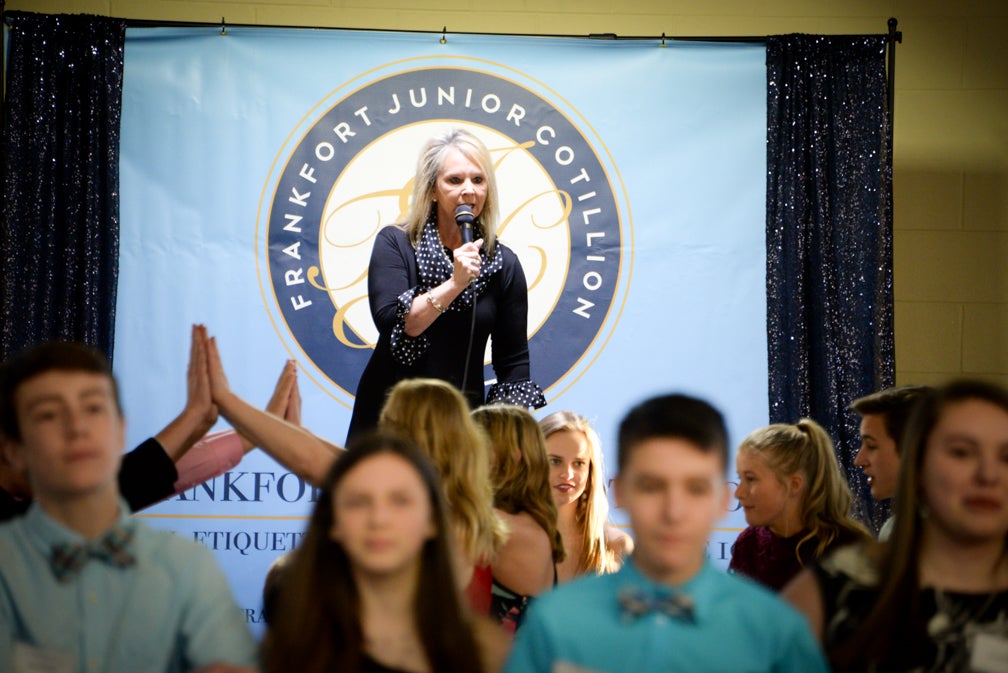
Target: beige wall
{"type": "Point", "coordinates": [951, 142]}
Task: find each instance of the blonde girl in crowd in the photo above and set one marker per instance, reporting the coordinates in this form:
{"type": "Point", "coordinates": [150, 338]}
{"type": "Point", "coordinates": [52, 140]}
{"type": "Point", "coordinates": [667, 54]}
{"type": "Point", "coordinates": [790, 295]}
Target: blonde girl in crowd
{"type": "Point", "coordinates": [934, 598]}
{"type": "Point", "coordinates": [577, 477]}
{"type": "Point", "coordinates": [371, 588]}
{"type": "Point", "coordinates": [435, 415]}
{"type": "Point", "coordinates": [796, 502]}
{"type": "Point", "coordinates": [526, 565]}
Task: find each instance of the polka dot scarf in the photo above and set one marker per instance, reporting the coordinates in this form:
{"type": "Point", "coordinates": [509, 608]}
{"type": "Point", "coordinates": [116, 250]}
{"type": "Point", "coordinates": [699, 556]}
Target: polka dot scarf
{"type": "Point", "coordinates": [436, 266]}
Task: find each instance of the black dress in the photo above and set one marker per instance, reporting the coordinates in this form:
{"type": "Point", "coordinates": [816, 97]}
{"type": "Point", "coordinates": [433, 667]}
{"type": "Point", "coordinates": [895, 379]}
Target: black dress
{"type": "Point", "coordinates": [396, 274]}
{"type": "Point", "coordinates": [951, 632]}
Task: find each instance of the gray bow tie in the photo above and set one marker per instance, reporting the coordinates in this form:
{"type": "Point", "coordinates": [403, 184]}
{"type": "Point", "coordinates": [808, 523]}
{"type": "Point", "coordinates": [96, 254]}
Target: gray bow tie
{"type": "Point", "coordinates": [636, 601]}
{"type": "Point", "coordinates": [68, 558]}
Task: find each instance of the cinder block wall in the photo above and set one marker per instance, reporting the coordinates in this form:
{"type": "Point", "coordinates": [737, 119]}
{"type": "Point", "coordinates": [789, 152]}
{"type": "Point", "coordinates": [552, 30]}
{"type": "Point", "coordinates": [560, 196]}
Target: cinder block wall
{"type": "Point", "coordinates": [951, 141]}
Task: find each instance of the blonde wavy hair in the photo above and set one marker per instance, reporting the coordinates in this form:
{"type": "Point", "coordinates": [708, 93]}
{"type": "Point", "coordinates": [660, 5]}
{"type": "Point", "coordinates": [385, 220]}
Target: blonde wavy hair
{"type": "Point", "coordinates": [805, 448]}
{"type": "Point", "coordinates": [434, 414]}
{"type": "Point", "coordinates": [592, 513]}
{"type": "Point", "coordinates": [429, 165]}
{"type": "Point", "coordinates": [521, 484]}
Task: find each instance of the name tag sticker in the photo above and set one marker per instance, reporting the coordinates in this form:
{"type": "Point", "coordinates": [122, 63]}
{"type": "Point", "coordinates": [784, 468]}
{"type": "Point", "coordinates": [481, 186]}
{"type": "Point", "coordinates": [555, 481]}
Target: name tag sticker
{"type": "Point", "coordinates": [30, 659]}
{"type": "Point", "coordinates": [990, 653]}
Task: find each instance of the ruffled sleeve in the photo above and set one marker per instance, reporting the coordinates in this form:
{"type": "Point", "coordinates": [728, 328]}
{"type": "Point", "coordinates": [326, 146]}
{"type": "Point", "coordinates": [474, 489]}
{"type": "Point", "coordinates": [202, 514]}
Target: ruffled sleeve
{"type": "Point", "coordinates": [525, 393]}
{"type": "Point", "coordinates": [406, 349]}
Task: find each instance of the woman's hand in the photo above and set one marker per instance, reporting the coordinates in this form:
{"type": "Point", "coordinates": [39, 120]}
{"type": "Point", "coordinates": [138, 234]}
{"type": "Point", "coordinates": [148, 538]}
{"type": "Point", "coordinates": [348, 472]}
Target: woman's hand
{"type": "Point", "coordinates": [427, 307]}
{"type": "Point", "coordinates": [198, 399]}
{"type": "Point", "coordinates": [219, 386]}
{"type": "Point", "coordinates": [467, 263]}
{"type": "Point", "coordinates": [286, 400]}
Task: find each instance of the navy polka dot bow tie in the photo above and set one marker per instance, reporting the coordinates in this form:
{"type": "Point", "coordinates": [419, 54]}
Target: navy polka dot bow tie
{"type": "Point", "coordinates": [67, 558]}
{"type": "Point", "coordinates": [636, 601]}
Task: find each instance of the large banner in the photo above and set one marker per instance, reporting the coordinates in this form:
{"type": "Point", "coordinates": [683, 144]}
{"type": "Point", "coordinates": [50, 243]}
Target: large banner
{"type": "Point", "coordinates": [257, 166]}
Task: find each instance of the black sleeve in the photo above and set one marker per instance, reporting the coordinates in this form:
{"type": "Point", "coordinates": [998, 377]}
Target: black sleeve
{"type": "Point", "coordinates": [509, 341]}
{"type": "Point", "coordinates": [510, 356]}
{"type": "Point", "coordinates": [147, 475]}
{"type": "Point", "coordinates": [389, 276]}
{"type": "Point", "coordinates": [10, 508]}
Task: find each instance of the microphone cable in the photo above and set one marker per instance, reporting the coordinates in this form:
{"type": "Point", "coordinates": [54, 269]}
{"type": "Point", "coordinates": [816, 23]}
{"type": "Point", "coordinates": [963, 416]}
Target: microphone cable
{"type": "Point", "coordinates": [472, 337]}
{"type": "Point", "coordinates": [464, 218]}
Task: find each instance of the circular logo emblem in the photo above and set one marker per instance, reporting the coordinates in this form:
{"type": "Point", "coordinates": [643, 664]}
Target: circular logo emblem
{"type": "Point", "coordinates": [348, 172]}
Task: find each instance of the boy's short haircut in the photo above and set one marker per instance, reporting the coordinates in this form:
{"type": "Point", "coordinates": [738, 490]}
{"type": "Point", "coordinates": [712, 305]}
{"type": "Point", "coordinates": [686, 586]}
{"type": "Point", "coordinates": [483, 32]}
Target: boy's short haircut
{"type": "Point", "coordinates": [64, 356]}
{"type": "Point", "coordinates": [673, 416]}
{"type": "Point", "coordinates": [894, 405]}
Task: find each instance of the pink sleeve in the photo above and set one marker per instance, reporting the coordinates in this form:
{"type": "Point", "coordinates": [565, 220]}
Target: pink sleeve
{"type": "Point", "coordinates": [210, 457]}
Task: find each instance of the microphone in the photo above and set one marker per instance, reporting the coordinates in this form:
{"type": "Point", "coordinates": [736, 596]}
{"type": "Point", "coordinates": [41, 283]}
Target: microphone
{"type": "Point", "coordinates": [464, 218]}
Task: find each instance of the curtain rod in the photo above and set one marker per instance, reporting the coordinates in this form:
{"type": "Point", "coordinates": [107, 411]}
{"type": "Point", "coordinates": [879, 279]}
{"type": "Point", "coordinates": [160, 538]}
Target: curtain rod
{"type": "Point", "coordinates": [891, 35]}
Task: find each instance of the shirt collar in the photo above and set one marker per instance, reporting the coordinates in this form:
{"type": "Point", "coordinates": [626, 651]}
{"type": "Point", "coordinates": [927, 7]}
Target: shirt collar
{"type": "Point", "coordinates": [45, 532]}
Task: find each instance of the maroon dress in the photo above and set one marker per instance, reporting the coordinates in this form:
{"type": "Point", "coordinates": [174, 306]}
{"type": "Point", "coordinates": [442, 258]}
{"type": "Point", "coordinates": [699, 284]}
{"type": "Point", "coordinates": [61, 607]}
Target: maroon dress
{"type": "Point", "coordinates": [771, 560]}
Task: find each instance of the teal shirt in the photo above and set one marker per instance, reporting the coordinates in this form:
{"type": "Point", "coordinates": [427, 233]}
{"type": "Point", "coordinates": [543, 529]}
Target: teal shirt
{"type": "Point", "coordinates": [739, 627]}
{"type": "Point", "coordinates": [171, 612]}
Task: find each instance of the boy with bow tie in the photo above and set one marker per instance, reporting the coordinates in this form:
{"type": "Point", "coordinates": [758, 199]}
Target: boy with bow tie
{"type": "Point", "coordinates": [83, 586]}
{"type": "Point", "coordinates": [667, 609]}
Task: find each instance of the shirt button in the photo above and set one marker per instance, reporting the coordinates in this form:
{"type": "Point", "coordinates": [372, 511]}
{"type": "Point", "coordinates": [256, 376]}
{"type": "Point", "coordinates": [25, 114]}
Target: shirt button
{"type": "Point", "coordinates": [92, 598]}
{"type": "Point", "coordinates": [93, 664]}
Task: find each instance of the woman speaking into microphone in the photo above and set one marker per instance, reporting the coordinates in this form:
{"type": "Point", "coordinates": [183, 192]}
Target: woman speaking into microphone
{"type": "Point", "coordinates": [437, 295]}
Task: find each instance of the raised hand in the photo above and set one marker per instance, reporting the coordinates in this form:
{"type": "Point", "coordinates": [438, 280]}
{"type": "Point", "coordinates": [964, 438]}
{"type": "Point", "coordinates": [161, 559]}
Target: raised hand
{"type": "Point", "coordinates": [292, 414]}
{"type": "Point", "coordinates": [219, 386]}
{"type": "Point", "coordinates": [285, 402]}
{"type": "Point", "coordinates": [198, 399]}
{"type": "Point", "coordinates": [284, 393]}
{"type": "Point", "coordinates": [200, 411]}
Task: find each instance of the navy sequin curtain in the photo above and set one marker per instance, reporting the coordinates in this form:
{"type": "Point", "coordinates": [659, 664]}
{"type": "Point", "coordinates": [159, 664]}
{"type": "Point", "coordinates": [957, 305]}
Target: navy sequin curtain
{"type": "Point", "coordinates": [829, 234]}
{"type": "Point", "coordinates": [59, 231]}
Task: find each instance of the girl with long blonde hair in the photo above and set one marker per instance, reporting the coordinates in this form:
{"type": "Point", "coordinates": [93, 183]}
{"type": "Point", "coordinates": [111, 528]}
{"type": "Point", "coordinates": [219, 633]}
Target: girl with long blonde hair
{"type": "Point", "coordinates": [578, 482]}
{"type": "Point", "coordinates": [796, 501]}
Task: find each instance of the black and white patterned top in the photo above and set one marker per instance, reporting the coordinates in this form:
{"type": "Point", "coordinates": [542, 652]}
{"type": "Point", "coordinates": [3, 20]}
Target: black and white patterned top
{"type": "Point", "coordinates": [950, 632]}
{"type": "Point", "coordinates": [435, 265]}
{"type": "Point", "coordinates": [397, 274]}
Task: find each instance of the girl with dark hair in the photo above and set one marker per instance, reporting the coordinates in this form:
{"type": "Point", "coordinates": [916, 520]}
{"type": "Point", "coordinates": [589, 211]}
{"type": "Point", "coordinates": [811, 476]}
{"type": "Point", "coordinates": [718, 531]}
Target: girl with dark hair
{"type": "Point", "coordinates": [371, 589]}
{"type": "Point", "coordinates": [796, 502]}
{"type": "Point", "coordinates": [526, 564]}
{"type": "Point", "coordinates": [934, 598]}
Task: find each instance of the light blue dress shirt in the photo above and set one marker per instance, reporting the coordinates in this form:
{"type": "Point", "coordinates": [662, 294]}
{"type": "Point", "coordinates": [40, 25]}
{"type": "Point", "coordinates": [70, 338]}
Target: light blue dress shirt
{"type": "Point", "coordinates": [171, 612]}
{"type": "Point", "coordinates": [739, 627]}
